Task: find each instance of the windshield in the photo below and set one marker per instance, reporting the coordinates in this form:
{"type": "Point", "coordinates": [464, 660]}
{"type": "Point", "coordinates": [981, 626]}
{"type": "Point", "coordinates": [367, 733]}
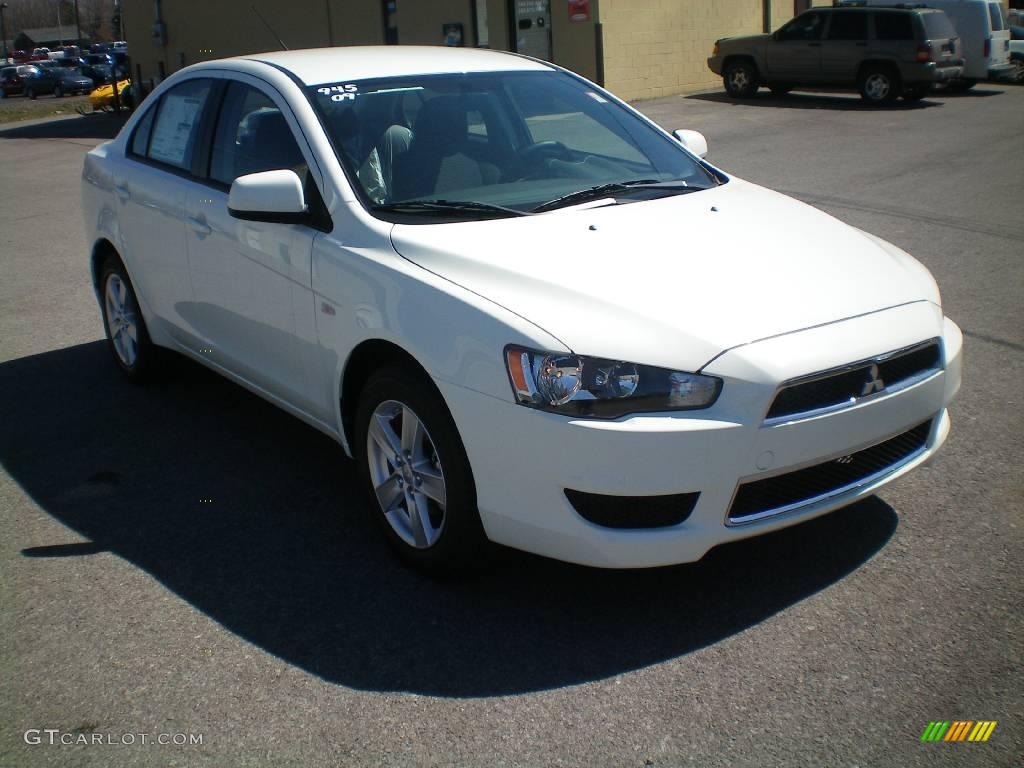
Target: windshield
{"type": "Point", "coordinates": [512, 140]}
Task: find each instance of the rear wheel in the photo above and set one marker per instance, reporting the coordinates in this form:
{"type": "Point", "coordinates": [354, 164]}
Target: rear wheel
{"type": "Point", "coordinates": [127, 336]}
{"type": "Point", "coordinates": [740, 79]}
{"type": "Point", "coordinates": [878, 85]}
{"type": "Point", "coordinates": [416, 472]}
{"type": "Point", "coordinates": [916, 93]}
{"type": "Point", "coordinates": [962, 86]}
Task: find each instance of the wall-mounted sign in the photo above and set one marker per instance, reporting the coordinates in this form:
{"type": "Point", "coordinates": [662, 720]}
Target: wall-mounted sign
{"type": "Point", "coordinates": [453, 34]}
{"type": "Point", "coordinates": [579, 10]}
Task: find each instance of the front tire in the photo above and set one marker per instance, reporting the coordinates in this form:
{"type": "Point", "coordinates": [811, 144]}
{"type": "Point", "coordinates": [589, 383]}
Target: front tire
{"type": "Point", "coordinates": [415, 471]}
{"type": "Point", "coordinates": [127, 336]}
{"type": "Point", "coordinates": [878, 85]}
{"type": "Point", "coordinates": [740, 79]}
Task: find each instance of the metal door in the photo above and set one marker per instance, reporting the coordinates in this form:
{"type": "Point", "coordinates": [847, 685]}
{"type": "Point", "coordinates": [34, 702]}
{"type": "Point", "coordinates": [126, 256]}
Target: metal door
{"type": "Point", "coordinates": [531, 28]}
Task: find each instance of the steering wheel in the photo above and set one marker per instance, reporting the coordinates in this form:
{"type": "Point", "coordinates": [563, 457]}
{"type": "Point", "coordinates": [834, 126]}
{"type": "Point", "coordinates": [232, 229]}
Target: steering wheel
{"type": "Point", "coordinates": [534, 155]}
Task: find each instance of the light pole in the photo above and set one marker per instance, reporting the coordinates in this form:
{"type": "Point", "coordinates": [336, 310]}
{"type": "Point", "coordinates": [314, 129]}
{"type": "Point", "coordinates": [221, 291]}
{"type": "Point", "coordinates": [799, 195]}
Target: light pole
{"type": "Point", "coordinates": [3, 29]}
{"type": "Point", "coordinates": [78, 27]}
{"type": "Point", "coordinates": [60, 26]}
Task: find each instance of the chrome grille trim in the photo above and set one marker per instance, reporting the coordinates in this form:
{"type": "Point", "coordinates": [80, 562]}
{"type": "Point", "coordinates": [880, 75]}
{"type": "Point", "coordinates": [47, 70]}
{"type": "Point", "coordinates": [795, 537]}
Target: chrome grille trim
{"type": "Point", "coordinates": [849, 368]}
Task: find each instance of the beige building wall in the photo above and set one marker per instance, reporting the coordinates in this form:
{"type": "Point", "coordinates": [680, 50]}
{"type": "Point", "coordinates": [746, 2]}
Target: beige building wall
{"type": "Point", "coordinates": [660, 47]}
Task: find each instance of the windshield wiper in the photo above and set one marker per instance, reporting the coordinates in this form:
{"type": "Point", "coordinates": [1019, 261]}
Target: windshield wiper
{"type": "Point", "coordinates": [447, 206]}
{"type": "Point", "coordinates": [615, 187]}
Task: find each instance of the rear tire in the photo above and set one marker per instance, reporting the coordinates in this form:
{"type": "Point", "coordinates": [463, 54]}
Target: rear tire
{"type": "Point", "coordinates": [411, 458]}
{"type": "Point", "coordinates": [740, 79]}
{"type": "Point", "coordinates": [916, 93]}
{"type": "Point", "coordinates": [127, 337]}
{"type": "Point", "coordinates": [879, 85]}
{"type": "Point", "coordinates": [962, 86]}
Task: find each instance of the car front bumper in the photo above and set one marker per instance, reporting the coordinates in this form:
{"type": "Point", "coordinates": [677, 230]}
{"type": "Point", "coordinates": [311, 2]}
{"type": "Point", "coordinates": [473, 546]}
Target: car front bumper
{"type": "Point", "coordinates": [523, 460]}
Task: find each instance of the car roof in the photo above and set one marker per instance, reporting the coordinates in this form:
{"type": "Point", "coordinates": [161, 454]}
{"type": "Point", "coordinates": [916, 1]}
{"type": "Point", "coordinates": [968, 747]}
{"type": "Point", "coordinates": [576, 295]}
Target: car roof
{"type": "Point", "coordinates": [317, 66]}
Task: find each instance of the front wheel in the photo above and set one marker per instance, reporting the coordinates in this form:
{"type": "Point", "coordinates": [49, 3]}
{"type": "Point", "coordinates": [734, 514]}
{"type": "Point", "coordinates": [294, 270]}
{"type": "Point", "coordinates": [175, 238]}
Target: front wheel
{"type": "Point", "coordinates": [740, 80]}
{"type": "Point", "coordinates": [416, 472]}
{"type": "Point", "coordinates": [878, 86]}
{"type": "Point", "coordinates": [127, 336]}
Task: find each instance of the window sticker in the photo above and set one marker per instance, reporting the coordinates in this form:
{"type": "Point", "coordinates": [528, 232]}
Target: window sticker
{"type": "Point", "coordinates": [173, 130]}
{"type": "Point", "coordinates": [340, 92]}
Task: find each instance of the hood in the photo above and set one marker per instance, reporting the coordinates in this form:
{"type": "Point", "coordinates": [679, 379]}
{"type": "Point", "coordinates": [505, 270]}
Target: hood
{"type": "Point", "coordinates": [675, 281]}
{"type": "Point", "coordinates": [743, 41]}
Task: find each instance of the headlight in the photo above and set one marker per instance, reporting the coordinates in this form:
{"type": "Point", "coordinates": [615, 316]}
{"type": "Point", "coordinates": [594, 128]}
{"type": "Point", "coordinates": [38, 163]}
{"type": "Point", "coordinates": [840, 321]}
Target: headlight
{"type": "Point", "coordinates": [574, 385]}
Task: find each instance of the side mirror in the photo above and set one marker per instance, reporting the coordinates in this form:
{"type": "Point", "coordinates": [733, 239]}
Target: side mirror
{"type": "Point", "coordinates": [272, 196]}
{"type": "Point", "coordinates": [693, 141]}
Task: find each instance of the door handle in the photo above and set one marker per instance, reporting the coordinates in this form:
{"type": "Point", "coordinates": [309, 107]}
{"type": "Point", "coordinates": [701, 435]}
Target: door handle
{"type": "Point", "coordinates": [199, 226]}
{"type": "Point", "coordinates": [122, 192]}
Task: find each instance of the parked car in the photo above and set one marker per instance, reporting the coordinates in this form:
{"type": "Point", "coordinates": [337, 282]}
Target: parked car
{"type": "Point", "coordinates": [884, 53]}
{"type": "Point", "coordinates": [98, 73]}
{"type": "Point", "coordinates": [530, 314]}
{"type": "Point", "coordinates": [10, 82]}
{"type": "Point", "coordinates": [20, 57]}
{"type": "Point", "coordinates": [102, 98]}
{"type": "Point", "coordinates": [58, 81]}
{"type": "Point", "coordinates": [984, 35]}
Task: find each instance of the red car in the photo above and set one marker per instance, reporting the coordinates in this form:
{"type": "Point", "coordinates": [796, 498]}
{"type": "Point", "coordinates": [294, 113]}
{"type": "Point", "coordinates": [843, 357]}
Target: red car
{"type": "Point", "coordinates": [20, 57]}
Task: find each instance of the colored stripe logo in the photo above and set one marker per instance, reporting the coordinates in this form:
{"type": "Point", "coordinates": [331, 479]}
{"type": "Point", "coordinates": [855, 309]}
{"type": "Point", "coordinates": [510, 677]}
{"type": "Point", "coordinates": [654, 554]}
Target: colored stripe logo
{"type": "Point", "coordinates": [958, 730]}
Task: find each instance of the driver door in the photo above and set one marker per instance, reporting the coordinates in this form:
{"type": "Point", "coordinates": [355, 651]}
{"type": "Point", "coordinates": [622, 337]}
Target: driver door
{"type": "Point", "coordinates": [794, 53]}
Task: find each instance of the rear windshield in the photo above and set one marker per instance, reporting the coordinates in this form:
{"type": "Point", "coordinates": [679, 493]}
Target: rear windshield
{"type": "Point", "coordinates": [937, 26]}
{"type": "Point", "coordinates": [894, 26]}
{"type": "Point", "coordinates": [995, 12]}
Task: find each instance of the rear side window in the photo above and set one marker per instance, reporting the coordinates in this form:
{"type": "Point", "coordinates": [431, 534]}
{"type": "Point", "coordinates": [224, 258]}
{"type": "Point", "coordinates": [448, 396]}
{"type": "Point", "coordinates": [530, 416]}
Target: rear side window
{"type": "Point", "coordinates": [252, 136]}
{"type": "Point", "coordinates": [848, 25]}
{"type": "Point", "coordinates": [937, 26]}
{"type": "Point", "coordinates": [893, 26]}
{"type": "Point", "coordinates": [995, 13]}
{"type": "Point", "coordinates": [140, 139]}
{"type": "Point", "coordinates": [176, 127]}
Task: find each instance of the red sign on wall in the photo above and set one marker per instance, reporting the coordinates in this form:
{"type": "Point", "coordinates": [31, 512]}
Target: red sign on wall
{"type": "Point", "coordinates": [579, 10]}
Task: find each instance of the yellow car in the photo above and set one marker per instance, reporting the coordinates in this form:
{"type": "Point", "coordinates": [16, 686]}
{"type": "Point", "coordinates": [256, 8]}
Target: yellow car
{"type": "Point", "coordinates": [102, 98]}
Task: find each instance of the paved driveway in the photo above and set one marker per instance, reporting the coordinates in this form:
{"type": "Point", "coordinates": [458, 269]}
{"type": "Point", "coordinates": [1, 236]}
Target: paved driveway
{"type": "Point", "coordinates": [272, 623]}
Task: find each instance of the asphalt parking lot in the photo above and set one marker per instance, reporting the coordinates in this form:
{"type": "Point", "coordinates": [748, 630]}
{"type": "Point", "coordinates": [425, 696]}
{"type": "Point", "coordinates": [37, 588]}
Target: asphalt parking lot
{"type": "Point", "coordinates": [185, 559]}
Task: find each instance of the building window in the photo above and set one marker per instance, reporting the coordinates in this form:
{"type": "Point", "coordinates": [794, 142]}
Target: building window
{"type": "Point", "coordinates": [483, 38]}
{"type": "Point", "coordinates": [391, 22]}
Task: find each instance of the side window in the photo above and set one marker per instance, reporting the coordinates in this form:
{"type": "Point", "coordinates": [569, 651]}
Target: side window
{"type": "Point", "coordinates": [805, 27]}
{"type": "Point", "coordinates": [176, 127]}
{"type": "Point", "coordinates": [850, 25]}
{"type": "Point", "coordinates": [893, 26]}
{"type": "Point", "coordinates": [140, 139]}
{"type": "Point", "coordinates": [252, 136]}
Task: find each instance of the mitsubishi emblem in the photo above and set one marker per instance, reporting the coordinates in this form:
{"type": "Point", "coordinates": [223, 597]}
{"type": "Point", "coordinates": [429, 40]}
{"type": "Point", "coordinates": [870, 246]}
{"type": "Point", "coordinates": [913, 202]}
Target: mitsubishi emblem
{"type": "Point", "coordinates": [874, 382]}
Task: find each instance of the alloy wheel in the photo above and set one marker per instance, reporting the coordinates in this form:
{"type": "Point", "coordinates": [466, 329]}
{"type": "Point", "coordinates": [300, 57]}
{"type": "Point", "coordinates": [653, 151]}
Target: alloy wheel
{"type": "Point", "coordinates": [877, 87]}
{"type": "Point", "coordinates": [406, 474]}
{"type": "Point", "coordinates": [122, 322]}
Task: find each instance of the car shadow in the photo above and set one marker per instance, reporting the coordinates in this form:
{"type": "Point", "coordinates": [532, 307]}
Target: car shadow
{"type": "Point", "coordinates": [804, 100]}
{"type": "Point", "coordinates": [256, 520]}
{"type": "Point", "coordinates": [100, 125]}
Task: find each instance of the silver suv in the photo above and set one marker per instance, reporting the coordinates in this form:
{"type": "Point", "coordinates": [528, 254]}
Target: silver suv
{"type": "Point", "coordinates": [882, 52]}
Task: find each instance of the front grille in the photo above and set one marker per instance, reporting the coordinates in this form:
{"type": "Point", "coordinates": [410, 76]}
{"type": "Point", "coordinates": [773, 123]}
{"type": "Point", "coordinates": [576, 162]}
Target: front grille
{"type": "Point", "coordinates": [845, 386]}
{"type": "Point", "coordinates": [632, 511]}
{"type": "Point", "coordinates": [774, 495]}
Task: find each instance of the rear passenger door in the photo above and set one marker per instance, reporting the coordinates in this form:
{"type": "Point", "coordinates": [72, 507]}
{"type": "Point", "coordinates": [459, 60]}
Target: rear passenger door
{"type": "Point", "coordinates": [794, 52]}
{"type": "Point", "coordinates": [846, 43]}
{"type": "Point", "coordinates": [252, 280]}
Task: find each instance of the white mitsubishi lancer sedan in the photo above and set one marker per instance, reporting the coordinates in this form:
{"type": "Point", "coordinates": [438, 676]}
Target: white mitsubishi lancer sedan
{"type": "Point", "coordinates": [528, 313]}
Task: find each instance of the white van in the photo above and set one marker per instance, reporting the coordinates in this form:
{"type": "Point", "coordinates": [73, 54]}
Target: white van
{"type": "Point", "coordinates": [984, 35]}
